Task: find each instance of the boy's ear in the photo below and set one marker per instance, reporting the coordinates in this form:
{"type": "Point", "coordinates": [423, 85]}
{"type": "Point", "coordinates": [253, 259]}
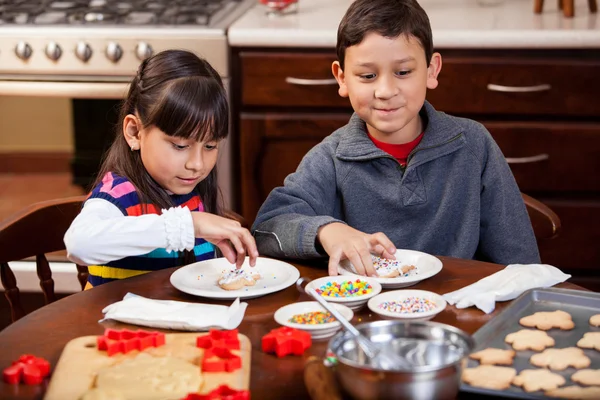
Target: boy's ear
{"type": "Point", "coordinates": [339, 76]}
{"type": "Point", "coordinates": [435, 66]}
{"type": "Point", "coordinates": [131, 130]}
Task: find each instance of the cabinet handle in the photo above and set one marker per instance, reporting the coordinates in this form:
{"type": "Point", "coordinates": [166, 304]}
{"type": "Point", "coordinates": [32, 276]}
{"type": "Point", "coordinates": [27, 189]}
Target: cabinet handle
{"type": "Point", "coordinates": [310, 82]}
{"type": "Point", "coordinates": [518, 89]}
{"type": "Point", "coordinates": [527, 160]}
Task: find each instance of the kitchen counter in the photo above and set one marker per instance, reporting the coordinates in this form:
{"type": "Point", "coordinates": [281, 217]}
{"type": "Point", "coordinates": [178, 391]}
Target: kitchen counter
{"type": "Point", "coordinates": [455, 24]}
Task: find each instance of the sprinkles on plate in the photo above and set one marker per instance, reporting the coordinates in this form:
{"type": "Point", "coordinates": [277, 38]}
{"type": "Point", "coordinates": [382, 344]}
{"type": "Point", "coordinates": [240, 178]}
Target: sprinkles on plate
{"type": "Point", "coordinates": [345, 289]}
{"type": "Point", "coordinates": [410, 305]}
{"type": "Point", "coordinates": [312, 318]}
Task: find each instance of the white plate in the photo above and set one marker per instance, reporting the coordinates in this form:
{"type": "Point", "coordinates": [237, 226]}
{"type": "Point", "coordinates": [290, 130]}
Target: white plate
{"type": "Point", "coordinates": [427, 266]}
{"type": "Point", "coordinates": [352, 302]}
{"type": "Point", "coordinates": [400, 295]}
{"type": "Point", "coordinates": [283, 315]}
{"type": "Point", "coordinates": [200, 279]}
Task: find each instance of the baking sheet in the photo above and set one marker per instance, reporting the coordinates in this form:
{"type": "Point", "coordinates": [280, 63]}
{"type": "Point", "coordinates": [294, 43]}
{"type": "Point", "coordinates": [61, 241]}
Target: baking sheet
{"type": "Point", "coordinates": [580, 304]}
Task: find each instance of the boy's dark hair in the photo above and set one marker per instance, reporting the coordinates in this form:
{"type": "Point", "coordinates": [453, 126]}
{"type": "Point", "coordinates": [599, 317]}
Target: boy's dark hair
{"type": "Point", "coordinates": [389, 18]}
{"type": "Point", "coordinates": [183, 96]}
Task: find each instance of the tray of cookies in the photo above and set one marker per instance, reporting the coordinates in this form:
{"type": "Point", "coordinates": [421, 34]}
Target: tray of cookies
{"type": "Point", "coordinates": [545, 344]}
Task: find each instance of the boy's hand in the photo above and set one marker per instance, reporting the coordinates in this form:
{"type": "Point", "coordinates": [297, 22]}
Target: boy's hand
{"type": "Point", "coordinates": [228, 235]}
{"type": "Point", "coordinates": [341, 241]}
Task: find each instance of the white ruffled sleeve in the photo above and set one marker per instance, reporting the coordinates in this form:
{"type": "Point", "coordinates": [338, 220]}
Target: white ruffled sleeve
{"type": "Point", "coordinates": [101, 233]}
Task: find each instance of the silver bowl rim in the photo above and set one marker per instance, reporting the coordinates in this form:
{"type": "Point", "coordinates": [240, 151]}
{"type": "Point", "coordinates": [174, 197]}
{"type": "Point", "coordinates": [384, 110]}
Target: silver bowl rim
{"type": "Point", "coordinates": [468, 339]}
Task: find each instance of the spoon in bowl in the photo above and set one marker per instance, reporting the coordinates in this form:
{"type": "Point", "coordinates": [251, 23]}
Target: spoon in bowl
{"type": "Point", "coordinates": [378, 358]}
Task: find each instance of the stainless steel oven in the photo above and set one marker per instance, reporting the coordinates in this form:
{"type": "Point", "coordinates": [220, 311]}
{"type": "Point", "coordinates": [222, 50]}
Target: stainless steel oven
{"type": "Point", "coordinates": [87, 51]}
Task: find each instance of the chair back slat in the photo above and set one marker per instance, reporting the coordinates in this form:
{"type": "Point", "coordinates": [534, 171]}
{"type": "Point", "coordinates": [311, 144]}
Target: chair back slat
{"type": "Point", "coordinates": [11, 291]}
{"type": "Point", "coordinates": [545, 222]}
{"type": "Point", "coordinates": [45, 275]}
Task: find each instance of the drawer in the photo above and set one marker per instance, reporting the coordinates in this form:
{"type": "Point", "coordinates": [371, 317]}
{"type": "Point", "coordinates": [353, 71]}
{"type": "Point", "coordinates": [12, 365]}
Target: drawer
{"type": "Point", "coordinates": [289, 79]}
{"type": "Point", "coordinates": [555, 157]}
{"type": "Point", "coordinates": [518, 86]}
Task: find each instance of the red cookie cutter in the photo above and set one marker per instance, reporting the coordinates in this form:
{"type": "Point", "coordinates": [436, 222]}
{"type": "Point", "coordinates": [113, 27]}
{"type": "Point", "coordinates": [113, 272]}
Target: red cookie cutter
{"type": "Point", "coordinates": [28, 369]}
{"type": "Point", "coordinates": [123, 341]}
{"type": "Point", "coordinates": [223, 392]}
{"type": "Point", "coordinates": [285, 340]}
{"type": "Point", "coordinates": [217, 347]}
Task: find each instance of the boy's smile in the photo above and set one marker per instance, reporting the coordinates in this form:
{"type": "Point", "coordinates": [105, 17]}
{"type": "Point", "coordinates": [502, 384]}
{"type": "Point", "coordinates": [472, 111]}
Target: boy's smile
{"type": "Point", "coordinates": [386, 80]}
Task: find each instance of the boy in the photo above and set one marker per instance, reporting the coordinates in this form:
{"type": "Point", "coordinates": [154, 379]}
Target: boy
{"type": "Point", "coordinates": [421, 179]}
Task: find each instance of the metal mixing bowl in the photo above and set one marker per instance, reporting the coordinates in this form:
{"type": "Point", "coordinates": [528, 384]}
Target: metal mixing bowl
{"type": "Point", "coordinates": [437, 351]}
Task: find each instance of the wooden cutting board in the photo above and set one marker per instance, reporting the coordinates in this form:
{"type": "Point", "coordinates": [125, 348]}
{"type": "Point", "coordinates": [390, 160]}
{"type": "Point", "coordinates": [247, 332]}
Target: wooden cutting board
{"type": "Point", "coordinates": [80, 361]}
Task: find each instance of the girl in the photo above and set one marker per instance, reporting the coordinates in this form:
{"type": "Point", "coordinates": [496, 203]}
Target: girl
{"type": "Point", "coordinates": [154, 204]}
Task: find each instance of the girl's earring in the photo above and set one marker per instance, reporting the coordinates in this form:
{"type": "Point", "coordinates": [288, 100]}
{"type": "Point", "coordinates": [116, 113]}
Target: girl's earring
{"type": "Point", "coordinates": [133, 148]}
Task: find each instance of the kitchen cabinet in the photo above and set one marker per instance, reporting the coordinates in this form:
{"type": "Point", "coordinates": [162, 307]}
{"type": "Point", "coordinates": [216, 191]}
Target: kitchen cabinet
{"type": "Point", "coordinates": [541, 106]}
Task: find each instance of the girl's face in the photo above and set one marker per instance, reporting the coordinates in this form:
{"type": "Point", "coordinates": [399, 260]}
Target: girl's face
{"type": "Point", "coordinates": [176, 164]}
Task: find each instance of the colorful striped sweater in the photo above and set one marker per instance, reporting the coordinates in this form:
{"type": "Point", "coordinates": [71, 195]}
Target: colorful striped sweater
{"type": "Point", "coordinates": [121, 192]}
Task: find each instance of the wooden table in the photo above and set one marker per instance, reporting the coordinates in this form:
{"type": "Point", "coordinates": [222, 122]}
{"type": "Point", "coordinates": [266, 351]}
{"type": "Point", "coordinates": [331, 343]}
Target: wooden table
{"type": "Point", "coordinates": [45, 332]}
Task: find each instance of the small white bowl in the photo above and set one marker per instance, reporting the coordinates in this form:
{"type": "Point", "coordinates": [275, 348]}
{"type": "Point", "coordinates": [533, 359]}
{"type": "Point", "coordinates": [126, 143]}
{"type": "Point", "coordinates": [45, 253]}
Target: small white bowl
{"type": "Point", "coordinates": [283, 315]}
{"type": "Point", "coordinates": [401, 295]}
{"type": "Point", "coordinates": [352, 302]}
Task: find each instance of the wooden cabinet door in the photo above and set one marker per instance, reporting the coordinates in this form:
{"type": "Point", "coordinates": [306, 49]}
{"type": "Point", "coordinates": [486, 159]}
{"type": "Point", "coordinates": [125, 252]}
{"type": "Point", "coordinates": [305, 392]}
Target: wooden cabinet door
{"type": "Point", "coordinates": [272, 146]}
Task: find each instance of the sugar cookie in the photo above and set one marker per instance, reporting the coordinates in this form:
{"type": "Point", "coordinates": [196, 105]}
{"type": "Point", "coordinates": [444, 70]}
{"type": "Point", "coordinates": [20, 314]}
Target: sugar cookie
{"type": "Point", "coordinates": [238, 278]}
{"type": "Point", "coordinates": [385, 268]}
{"type": "Point", "coordinates": [590, 377]}
{"type": "Point", "coordinates": [575, 392]}
{"type": "Point", "coordinates": [528, 339]}
{"type": "Point", "coordinates": [532, 380]}
{"type": "Point", "coordinates": [489, 376]}
{"type": "Point", "coordinates": [590, 340]}
{"type": "Point", "coordinates": [561, 359]}
{"type": "Point", "coordinates": [545, 320]}
{"type": "Point", "coordinates": [595, 320]}
{"type": "Point", "coordinates": [491, 356]}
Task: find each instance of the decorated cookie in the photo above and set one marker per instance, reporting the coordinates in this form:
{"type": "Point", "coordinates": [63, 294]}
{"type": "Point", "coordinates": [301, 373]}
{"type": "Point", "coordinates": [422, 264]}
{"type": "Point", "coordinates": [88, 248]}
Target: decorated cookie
{"type": "Point", "coordinates": [532, 380]}
{"type": "Point", "coordinates": [547, 320]}
{"type": "Point", "coordinates": [489, 376]}
{"type": "Point", "coordinates": [590, 340]}
{"type": "Point", "coordinates": [386, 268]}
{"type": "Point", "coordinates": [589, 377]}
{"type": "Point", "coordinates": [528, 339]}
{"type": "Point", "coordinates": [561, 359]}
{"type": "Point", "coordinates": [491, 356]}
{"type": "Point", "coordinates": [238, 278]}
{"type": "Point", "coordinates": [575, 392]}
{"type": "Point", "coordinates": [595, 320]}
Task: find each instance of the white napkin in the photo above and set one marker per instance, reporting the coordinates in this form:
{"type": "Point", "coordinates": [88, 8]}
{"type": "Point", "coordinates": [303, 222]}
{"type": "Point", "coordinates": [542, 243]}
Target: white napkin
{"type": "Point", "coordinates": [169, 314]}
{"type": "Point", "coordinates": [505, 285]}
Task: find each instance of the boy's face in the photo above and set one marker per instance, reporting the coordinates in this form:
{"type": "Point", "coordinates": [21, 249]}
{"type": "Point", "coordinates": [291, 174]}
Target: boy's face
{"type": "Point", "coordinates": [386, 81]}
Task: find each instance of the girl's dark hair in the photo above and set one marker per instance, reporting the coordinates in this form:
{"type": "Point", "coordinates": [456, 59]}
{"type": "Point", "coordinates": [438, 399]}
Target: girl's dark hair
{"type": "Point", "coordinates": [183, 96]}
{"type": "Point", "coordinates": [389, 18]}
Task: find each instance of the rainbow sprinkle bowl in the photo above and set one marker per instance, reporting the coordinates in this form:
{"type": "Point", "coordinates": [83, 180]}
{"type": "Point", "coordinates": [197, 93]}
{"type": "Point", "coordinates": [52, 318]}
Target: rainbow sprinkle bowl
{"type": "Point", "coordinates": [409, 304]}
{"type": "Point", "coordinates": [317, 331]}
{"type": "Point", "coordinates": [353, 292]}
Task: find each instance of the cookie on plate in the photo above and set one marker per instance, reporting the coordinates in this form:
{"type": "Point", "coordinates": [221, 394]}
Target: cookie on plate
{"type": "Point", "coordinates": [532, 380]}
{"type": "Point", "coordinates": [489, 376]}
{"type": "Point", "coordinates": [561, 359]}
{"type": "Point", "coordinates": [589, 377]}
{"type": "Point", "coordinates": [595, 320]}
{"type": "Point", "coordinates": [590, 340]}
{"type": "Point", "coordinates": [238, 278]}
{"type": "Point", "coordinates": [386, 268]}
{"type": "Point", "coordinates": [491, 356]}
{"type": "Point", "coordinates": [575, 392]}
{"type": "Point", "coordinates": [528, 339]}
{"type": "Point", "coordinates": [546, 320]}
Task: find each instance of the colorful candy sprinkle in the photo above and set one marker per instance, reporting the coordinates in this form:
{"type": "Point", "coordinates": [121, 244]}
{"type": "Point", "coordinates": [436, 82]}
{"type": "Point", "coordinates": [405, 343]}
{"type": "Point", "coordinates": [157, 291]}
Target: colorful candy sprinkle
{"type": "Point", "coordinates": [410, 305]}
{"type": "Point", "coordinates": [345, 289]}
{"type": "Point", "coordinates": [312, 318]}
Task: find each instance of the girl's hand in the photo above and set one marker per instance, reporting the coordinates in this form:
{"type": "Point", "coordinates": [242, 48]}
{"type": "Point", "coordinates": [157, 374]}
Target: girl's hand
{"type": "Point", "coordinates": [343, 242]}
{"type": "Point", "coordinates": [228, 235]}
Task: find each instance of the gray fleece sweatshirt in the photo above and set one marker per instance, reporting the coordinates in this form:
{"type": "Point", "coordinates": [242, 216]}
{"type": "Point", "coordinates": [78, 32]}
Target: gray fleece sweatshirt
{"type": "Point", "coordinates": [456, 197]}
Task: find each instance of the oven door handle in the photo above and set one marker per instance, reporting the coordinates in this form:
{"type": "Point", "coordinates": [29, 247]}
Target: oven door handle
{"type": "Point", "coordinates": [74, 90]}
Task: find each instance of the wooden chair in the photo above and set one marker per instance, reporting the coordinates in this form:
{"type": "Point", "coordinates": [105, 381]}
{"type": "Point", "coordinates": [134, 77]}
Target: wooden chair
{"type": "Point", "coordinates": [33, 232]}
{"type": "Point", "coordinates": [567, 6]}
{"type": "Point", "coordinates": [545, 222]}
